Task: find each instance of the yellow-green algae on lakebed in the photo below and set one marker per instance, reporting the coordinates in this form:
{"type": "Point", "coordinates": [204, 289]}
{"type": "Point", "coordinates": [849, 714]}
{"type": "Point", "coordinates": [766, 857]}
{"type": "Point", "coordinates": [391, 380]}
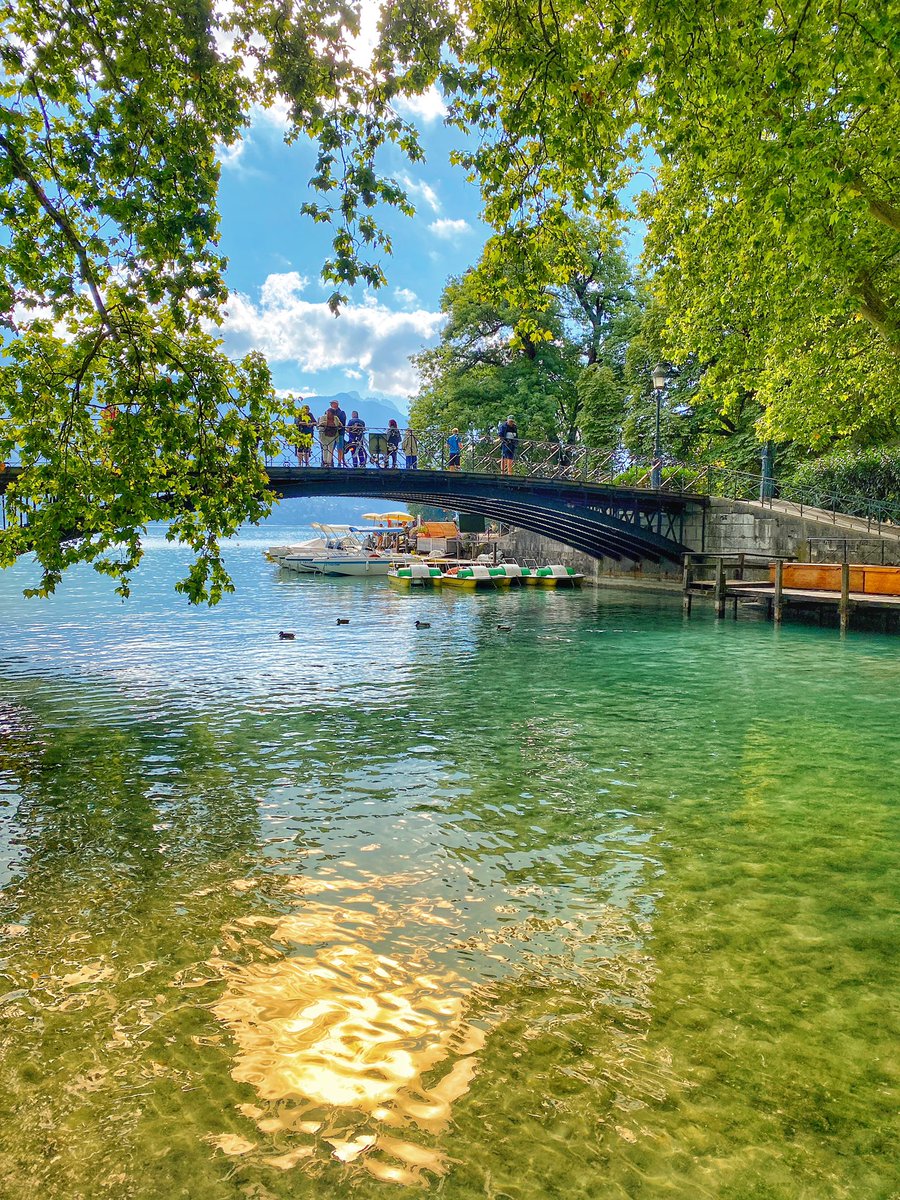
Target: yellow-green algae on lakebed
{"type": "Point", "coordinates": [603, 908]}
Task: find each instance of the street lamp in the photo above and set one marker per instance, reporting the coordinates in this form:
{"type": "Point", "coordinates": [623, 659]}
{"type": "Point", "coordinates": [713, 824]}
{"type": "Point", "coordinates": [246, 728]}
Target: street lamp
{"type": "Point", "coordinates": [660, 377]}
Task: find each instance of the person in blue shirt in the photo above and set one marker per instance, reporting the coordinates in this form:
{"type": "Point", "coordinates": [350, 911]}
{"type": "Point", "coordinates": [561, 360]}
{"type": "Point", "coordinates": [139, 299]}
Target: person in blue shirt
{"type": "Point", "coordinates": [454, 449]}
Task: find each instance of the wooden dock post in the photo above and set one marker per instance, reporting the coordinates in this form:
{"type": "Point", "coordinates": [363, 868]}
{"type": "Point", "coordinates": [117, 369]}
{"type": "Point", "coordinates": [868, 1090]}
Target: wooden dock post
{"type": "Point", "coordinates": [720, 587]}
{"type": "Point", "coordinates": [687, 578]}
{"type": "Point", "coordinates": [845, 596]}
{"type": "Point", "coordinates": [779, 585]}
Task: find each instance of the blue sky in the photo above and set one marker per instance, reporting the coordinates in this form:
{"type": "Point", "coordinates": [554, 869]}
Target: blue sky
{"type": "Point", "coordinates": [279, 303]}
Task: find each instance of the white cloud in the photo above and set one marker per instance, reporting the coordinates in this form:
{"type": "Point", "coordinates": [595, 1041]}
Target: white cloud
{"type": "Point", "coordinates": [420, 190]}
{"type": "Point", "coordinates": [406, 297]}
{"type": "Point", "coordinates": [274, 117]}
{"type": "Point", "coordinates": [429, 106]}
{"type": "Point", "coordinates": [448, 230]}
{"type": "Point", "coordinates": [369, 338]}
{"type": "Point", "coordinates": [279, 290]}
{"type": "Point", "coordinates": [230, 156]}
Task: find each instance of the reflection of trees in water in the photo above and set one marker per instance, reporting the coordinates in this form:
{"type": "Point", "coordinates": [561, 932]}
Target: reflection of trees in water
{"type": "Point", "coordinates": [128, 835]}
{"type": "Point", "coordinates": [143, 859]}
{"type": "Point", "coordinates": [126, 800]}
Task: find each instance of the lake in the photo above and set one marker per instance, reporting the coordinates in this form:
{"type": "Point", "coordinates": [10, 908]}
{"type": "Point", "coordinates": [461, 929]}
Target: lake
{"type": "Point", "coordinates": [604, 906]}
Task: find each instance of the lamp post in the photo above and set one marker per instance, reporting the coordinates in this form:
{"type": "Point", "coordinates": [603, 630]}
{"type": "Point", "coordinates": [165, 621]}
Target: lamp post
{"type": "Point", "coordinates": [660, 376]}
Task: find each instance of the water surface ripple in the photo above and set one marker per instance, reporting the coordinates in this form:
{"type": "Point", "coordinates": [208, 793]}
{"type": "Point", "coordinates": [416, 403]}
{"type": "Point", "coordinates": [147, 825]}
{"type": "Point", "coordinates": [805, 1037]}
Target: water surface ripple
{"type": "Point", "coordinates": [602, 907]}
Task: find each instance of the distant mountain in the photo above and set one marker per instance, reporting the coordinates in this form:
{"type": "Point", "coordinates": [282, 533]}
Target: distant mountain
{"type": "Point", "coordinates": [376, 411]}
{"type": "Point", "coordinates": [333, 510]}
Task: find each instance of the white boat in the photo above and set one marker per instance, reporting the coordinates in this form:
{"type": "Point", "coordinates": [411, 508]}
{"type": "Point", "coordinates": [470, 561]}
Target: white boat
{"type": "Point", "coordinates": [372, 564]}
{"type": "Point", "coordinates": [300, 557]}
{"type": "Point", "coordinates": [343, 550]}
{"type": "Point", "coordinates": [277, 554]}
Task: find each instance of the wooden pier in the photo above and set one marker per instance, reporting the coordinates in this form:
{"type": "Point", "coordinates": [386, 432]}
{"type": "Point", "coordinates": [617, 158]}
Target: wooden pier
{"type": "Point", "coordinates": [780, 582]}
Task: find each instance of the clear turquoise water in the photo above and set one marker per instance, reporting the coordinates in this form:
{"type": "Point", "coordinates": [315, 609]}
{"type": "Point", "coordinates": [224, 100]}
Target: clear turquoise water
{"type": "Point", "coordinates": [604, 907]}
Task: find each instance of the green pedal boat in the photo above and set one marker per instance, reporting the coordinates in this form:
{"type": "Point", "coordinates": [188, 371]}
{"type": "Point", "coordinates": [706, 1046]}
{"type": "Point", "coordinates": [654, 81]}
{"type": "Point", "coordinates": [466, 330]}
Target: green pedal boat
{"type": "Point", "coordinates": [414, 575]}
{"type": "Point", "coordinates": [556, 576]}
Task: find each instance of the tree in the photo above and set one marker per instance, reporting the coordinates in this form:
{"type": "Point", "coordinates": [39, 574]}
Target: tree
{"type": "Point", "coordinates": [114, 394]}
{"type": "Point", "coordinates": [482, 369]}
{"type": "Point", "coordinates": [774, 232]}
{"type": "Point", "coordinates": [529, 357]}
{"type": "Point", "coordinates": [602, 399]}
{"type": "Point", "coordinates": [774, 220]}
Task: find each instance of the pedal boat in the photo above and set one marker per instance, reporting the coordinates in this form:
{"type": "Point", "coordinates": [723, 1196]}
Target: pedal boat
{"type": "Point", "coordinates": [555, 576]}
{"type": "Point", "coordinates": [414, 575]}
{"type": "Point", "coordinates": [508, 575]}
{"type": "Point", "coordinates": [470, 578]}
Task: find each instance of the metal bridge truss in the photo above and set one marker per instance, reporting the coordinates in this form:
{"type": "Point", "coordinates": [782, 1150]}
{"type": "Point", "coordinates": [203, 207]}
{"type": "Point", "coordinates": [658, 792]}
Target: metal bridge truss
{"type": "Point", "coordinates": [601, 521]}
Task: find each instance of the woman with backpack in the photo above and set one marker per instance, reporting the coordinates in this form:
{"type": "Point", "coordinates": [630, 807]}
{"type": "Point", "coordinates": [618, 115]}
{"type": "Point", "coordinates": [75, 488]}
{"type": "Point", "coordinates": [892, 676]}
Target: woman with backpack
{"type": "Point", "coordinates": [331, 427]}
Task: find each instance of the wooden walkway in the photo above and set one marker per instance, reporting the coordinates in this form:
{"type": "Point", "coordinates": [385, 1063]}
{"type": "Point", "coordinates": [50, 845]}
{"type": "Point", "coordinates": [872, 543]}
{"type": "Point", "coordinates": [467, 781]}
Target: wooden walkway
{"type": "Point", "coordinates": [774, 594]}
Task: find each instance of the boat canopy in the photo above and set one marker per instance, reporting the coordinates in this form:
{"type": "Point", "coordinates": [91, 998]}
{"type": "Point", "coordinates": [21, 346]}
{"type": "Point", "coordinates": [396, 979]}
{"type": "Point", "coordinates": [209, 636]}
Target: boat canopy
{"type": "Point", "coordinates": [401, 518]}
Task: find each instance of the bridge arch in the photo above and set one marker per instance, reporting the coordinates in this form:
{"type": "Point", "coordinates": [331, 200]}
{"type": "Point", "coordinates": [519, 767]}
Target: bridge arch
{"type": "Point", "coordinates": [599, 520]}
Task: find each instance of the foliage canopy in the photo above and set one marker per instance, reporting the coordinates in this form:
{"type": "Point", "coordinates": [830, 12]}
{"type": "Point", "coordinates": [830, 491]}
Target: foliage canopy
{"type": "Point", "coordinates": [774, 218]}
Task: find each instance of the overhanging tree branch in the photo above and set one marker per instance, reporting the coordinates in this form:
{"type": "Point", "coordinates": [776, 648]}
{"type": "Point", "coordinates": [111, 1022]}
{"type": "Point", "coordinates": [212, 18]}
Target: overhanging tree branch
{"type": "Point", "coordinates": [62, 222]}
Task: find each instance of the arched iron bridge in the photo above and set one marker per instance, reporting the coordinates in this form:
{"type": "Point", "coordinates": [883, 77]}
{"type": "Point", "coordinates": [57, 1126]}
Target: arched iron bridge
{"type": "Point", "coordinates": [601, 520]}
{"type": "Point", "coordinates": [568, 493]}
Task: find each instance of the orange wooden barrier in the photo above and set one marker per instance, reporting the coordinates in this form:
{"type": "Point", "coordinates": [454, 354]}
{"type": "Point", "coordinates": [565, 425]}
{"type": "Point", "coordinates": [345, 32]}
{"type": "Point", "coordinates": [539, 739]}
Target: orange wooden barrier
{"type": "Point", "coordinates": [826, 577]}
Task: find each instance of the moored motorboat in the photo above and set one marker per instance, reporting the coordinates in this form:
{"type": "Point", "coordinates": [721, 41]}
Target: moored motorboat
{"type": "Point", "coordinates": [414, 574]}
{"type": "Point", "coordinates": [370, 565]}
{"type": "Point", "coordinates": [555, 576]}
{"type": "Point", "coordinates": [343, 550]}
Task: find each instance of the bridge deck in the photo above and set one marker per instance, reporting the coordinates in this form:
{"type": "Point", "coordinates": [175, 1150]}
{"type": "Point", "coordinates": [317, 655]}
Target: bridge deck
{"type": "Point", "coordinates": [601, 520]}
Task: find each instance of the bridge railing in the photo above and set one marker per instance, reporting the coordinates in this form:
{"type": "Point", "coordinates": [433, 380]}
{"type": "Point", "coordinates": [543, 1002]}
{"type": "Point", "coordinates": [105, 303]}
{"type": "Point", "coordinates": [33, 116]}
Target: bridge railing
{"type": "Point", "coordinates": [743, 485]}
{"type": "Point", "coordinates": [481, 454]}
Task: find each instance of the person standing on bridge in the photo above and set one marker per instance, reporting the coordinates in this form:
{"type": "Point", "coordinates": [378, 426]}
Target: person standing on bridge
{"type": "Point", "coordinates": [341, 442]}
{"type": "Point", "coordinates": [330, 425]}
{"type": "Point", "coordinates": [356, 440]}
{"type": "Point", "coordinates": [411, 449]}
{"type": "Point", "coordinates": [305, 425]}
{"type": "Point", "coordinates": [508, 433]}
{"type": "Point", "coordinates": [393, 443]}
{"type": "Point", "coordinates": [454, 450]}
